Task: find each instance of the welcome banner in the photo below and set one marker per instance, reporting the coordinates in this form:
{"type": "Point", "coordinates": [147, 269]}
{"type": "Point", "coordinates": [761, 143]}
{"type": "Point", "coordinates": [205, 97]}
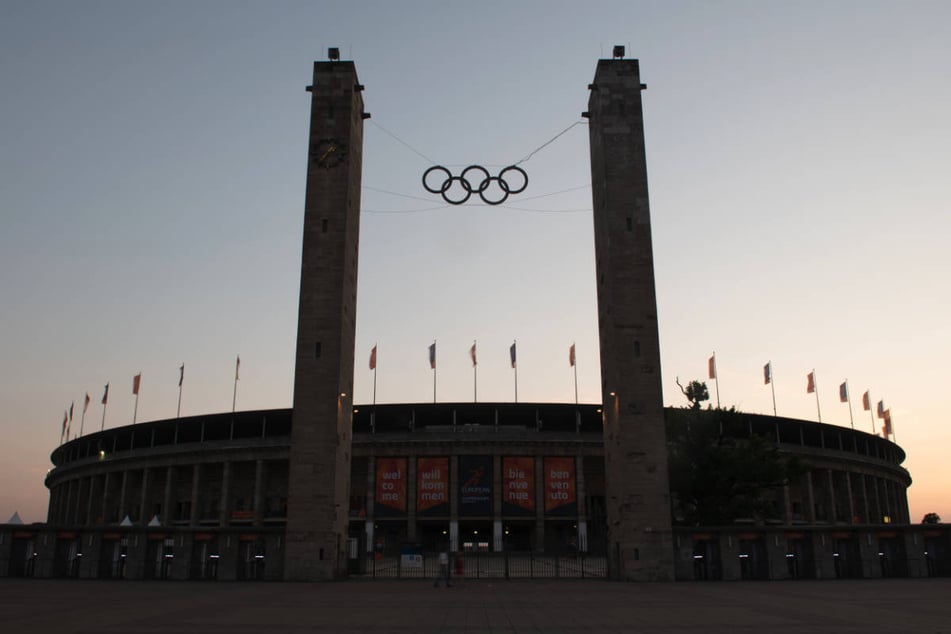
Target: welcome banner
{"type": "Point", "coordinates": [390, 487]}
{"type": "Point", "coordinates": [475, 485]}
{"type": "Point", "coordinates": [432, 486]}
{"type": "Point", "coordinates": [518, 485]}
{"type": "Point", "coordinates": [560, 498]}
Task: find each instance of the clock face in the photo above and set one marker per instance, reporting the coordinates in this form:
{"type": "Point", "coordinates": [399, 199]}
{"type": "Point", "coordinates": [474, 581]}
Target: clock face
{"type": "Point", "coordinates": [329, 153]}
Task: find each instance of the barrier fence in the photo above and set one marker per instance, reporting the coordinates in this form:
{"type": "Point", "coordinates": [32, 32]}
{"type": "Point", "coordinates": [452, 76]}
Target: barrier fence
{"type": "Point", "coordinates": [487, 565]}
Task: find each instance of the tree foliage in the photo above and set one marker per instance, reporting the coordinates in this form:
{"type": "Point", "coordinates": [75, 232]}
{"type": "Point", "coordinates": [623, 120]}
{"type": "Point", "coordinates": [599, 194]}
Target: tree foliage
{"type": "Point", "coordinates": [696, 392]}
{"type": "Point", "coordinates": [719, 472]}
{"type": "Point", "coordinates": [931, 518]}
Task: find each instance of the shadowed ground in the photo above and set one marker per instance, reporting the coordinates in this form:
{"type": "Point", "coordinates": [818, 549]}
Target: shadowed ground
{"type": "Point", "coordinates": [906, 605]}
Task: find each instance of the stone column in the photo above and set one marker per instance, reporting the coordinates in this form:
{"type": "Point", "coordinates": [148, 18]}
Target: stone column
{"type": "Point", "coordinates": [224, 507]}
{"type": "Point", "coordinates": [371, 497]}
{"type": "Point", "coordinates": [833, 502]}
{"type": "Point", "coordinates": [196, 503]}
{"type": "Point", "coordinates": [848, 490]}
{"type": "Point", "coordinates": [787, 505]}
{"type": "Point", "coordinates": [167, 514]}
{"type": "Point", "coordinates": [539, 539]}
{"type": "Point", "coordinates": [811, 498]}
{"type": "Point", "coordinates": [867, 515]}
{"type": "Point", "coordinates": [145, 515]}
{"type": "Point", "coordinates": [123, 502]}
{"type": "Point", "coordinates": [498, 541]}
{"type": "Point", "coordinates": [454, 503]}
{"type": "Point", "coordinates": [637, 495]}
{"type": "Point", "coordinates": [582, 505]}
{"type": "Point", "coordinates": [259, 478]}
{"type": "Point", "coordinates": [105, 497]}
{"type": "Point", "coordinates": [321, 443]}
{"type": "Point", "coordinates": [93, 494]}
{"type": "Point", "coordinates": [67, 507]}
{"type": "Point", "coordinates": [411, 487]}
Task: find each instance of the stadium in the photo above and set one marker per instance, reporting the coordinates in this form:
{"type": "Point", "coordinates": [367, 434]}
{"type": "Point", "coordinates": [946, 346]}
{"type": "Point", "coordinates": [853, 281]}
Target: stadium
{"type": "Point", "coordinates": [517, 489]}
{"type": "Point", "coordinates": [329, 488]}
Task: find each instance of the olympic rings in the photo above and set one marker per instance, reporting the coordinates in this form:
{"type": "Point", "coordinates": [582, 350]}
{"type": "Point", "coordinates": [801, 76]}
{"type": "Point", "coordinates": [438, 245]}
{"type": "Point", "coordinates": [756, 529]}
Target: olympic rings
{"type": "Point", "coordinates": [456, 190]}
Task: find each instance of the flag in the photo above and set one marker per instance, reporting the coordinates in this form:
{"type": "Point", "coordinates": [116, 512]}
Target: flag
{"type": "Point", "coordinates": [105, 395]}
{"type": "Point", "coordinates": [881, 409]}
{"type": "Point", "coordinates": [512, 353]}
{"type": "Point", "coordinates": [373, 358]}
{"type": "Point", "coordinates": [767, 373]}
{"type": "Point", "coordinates": [844, 392]}
{"type": "Point", "coordinates": [71, 411]}
{"type": "Point", "coordinates": [571, 355]}
{"type": "Point", "coordinates": [237, 368]}
{"type": "Point", "coordinates": [181, 375]}
{"type": "Point", "coordinates": [866, 403]}
{"type": "Point", "coordinates": [712, 367]}
{"type": "Point", "coordinates": [887, 427]}
{"type": "Point", "coordinates": [86, 403]}
{"type": "Point", "coordinates": [811, 382]}
{"type": "Point", "coordinates": [432, 356]}
{"type": "Point", "coordinates": [62, 434]}
{"type": "Point", "coordinates": [136, 382]}
{"type": "Point", "coordinates": [472, 353]}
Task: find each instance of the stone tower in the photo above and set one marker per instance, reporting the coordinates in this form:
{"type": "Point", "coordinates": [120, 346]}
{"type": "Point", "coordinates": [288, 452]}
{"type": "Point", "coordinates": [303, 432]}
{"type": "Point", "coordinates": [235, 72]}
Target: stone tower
{"type": "Point", "coordinates": [635, 452]}
{"type": "Point", "coordinates": [319, 476]}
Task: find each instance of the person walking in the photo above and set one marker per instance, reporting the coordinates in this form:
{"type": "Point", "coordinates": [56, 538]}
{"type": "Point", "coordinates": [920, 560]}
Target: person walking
{"type": "Point", "coordinates": [443, 570]}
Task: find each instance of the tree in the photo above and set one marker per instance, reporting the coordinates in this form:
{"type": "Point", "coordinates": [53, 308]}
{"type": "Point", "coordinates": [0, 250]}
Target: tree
{"type": "Point", "coordinates": [696, 392]}
{"type": "Point", "coordinates": [719, 472]}
{"type": "Point", "coordinates": [931, 518]}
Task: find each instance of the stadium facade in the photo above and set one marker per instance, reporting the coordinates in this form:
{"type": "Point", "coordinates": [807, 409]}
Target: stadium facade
{"type": "Point", "coordinates": [326, 488]}
{"type": "Point", "coordinates": [518, 489]}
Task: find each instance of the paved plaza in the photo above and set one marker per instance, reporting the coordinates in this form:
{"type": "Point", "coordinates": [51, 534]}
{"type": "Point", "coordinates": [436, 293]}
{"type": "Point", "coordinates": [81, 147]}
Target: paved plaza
{"type": "Point", "coordinates": [60, 606]}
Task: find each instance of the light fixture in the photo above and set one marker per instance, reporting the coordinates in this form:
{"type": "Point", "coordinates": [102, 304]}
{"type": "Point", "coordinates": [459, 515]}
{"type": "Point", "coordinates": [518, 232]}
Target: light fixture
{"type": "Point", "coordinates": [333, 53]}
{"type": "Point", "coordinates": [618, 51]}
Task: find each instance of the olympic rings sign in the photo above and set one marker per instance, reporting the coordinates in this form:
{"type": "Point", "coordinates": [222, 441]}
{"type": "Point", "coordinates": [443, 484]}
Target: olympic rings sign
{"type": "Point", "coordinates": [493, 190]}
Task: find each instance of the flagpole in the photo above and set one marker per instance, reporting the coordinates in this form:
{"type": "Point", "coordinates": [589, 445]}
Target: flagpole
{"type": "Point", "coordinates": [871, 413]}
{"type": "Point", "coordinates": [576, 382]}
{"type": "Point", "coordinates": [135, 411]}
{"type": "Point", "coordinates": [434, 370]}
{"type": "Point", "coordinates": [848, 396]}
{"type": "Point", "coordinates": [815, 384]}
{"type": "Point", "coordinates": [181, 380]}
{"type": "Point", "coordinates": [772, 385]}
{"type": "Point", "coordinates": [103, 425]}
{"type": "Point", "coordinates": [716, 378]}
{"type": "Point", "coordinates": [475, 373]}
{"type": "Point", "coordinates": [374, 384]}
{"type": "Point", "coordinates": [515, 367]}
{"type": "Point", "coordinates": [82, 421]}
{"type": "Point", "coordinates": [234, 398]}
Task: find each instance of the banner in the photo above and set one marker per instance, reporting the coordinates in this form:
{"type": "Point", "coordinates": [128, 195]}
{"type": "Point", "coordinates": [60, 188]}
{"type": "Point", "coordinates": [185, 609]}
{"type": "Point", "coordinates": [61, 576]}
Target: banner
{"type": "Point", "coordinates": [390, 487]}
{"type": "Point", "coordinates": [518, 485]}
{"type": "Point", "coordinates": [432, 486]}
{"type": "Point", "coordinates": [560, 486]}
{"type": "Point", "coordinates": [475, 485]}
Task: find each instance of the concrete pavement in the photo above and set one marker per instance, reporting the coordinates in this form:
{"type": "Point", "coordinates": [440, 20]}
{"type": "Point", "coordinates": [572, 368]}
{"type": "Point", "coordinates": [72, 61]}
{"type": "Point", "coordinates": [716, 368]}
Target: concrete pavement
{"type": "Point", "coordinates": [66, 606]}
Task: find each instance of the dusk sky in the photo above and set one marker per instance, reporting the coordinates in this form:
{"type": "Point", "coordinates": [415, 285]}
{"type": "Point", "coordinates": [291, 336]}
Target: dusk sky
{"type": "Point", "coordinates": [152, 171]}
